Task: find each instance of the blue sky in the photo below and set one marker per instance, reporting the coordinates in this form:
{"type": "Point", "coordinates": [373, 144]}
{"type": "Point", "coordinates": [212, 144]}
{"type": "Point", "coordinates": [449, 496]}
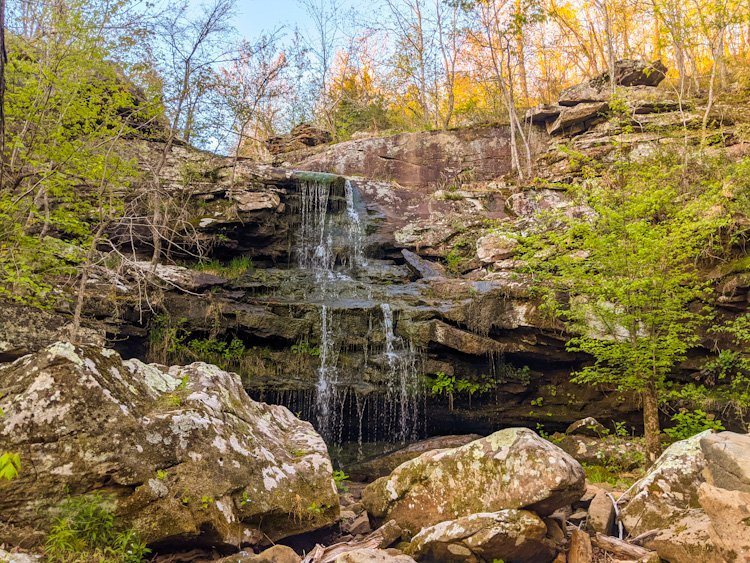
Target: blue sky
{"type": "Point", "coordinates": [255, 16]}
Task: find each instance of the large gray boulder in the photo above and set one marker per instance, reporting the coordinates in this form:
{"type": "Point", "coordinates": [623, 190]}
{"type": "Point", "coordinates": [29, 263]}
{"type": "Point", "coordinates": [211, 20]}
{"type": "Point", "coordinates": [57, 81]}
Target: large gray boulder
{"type": "Point", "coordinates": [512, 468]}
{"type": "Point", "coordinates": [510, 535]}
{"type": "Point", "coordinates": [696, 495]}
{"type": "Point", "coordinates": [182, 452]}
{"type": "Point", "coordinates": [728, 459]}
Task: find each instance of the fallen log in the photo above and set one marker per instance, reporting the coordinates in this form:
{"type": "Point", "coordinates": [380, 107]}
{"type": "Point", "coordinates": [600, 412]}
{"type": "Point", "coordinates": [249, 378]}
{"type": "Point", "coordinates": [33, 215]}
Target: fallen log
{"type": "Point", "coordinates": [381, 538]}
{"type": "Point", "coordinates": [624, 550]}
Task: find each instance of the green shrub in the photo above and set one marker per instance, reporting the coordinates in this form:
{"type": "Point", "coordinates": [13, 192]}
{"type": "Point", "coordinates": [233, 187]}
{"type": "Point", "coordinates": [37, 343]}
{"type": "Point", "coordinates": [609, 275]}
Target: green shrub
{"type": "Point", "coordinates": [86, 531]}
{"type": "Point", "coordinates": [690, 423]}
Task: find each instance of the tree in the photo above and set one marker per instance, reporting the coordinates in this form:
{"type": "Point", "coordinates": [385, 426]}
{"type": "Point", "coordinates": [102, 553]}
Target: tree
{"type": "Point", "coordinates": [625, 278]}
{"type": "Point", "coordinates": [191, 44]}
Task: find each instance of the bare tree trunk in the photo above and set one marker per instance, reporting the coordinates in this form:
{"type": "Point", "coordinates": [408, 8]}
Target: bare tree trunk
{"type": "Point", "coordinates": [651, 429]}
{"type": "Point", "coordinates": [3, 62]}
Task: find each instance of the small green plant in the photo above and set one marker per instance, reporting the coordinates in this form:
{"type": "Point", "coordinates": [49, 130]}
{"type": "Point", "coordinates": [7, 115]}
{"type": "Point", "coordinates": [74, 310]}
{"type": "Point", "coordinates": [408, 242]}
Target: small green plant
{"type": "Point", "coordinates": [206, 501]}
{"type": "Point", "coordinates": [10, 463]}
{"type": "Point", "coordinates": [690, 423]}
{"type": "Point", "coordinates": [620, 430]}
{"type": "Point", "coordinates": [244, 499]}
{"type": "Point", "coordinates": [538, 402]}
{"type": "Point", "coordinates": [304, 348]}
{"type": "Point", "coordinates": [86, 531]}
{"type": "Point", "coordinates": [453, 260]}
{"type": "Point", "coordinates": [444, 384]}
{"type": "Point", "coordinates": [233, 269]}
{"type": "Point", "coordinates": [340, 478]}
{"type": "Point", "coordinates": [161, 475]}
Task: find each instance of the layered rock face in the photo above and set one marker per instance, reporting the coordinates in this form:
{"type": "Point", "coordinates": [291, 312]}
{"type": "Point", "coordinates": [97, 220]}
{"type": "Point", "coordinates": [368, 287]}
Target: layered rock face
{"type": "Point", "coordinates": [417, 160]}
{"type": "Point", "coordinates": [183, 453]}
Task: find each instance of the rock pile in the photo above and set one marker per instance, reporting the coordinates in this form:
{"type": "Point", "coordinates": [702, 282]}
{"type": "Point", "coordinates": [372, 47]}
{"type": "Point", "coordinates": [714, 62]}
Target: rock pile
{"type": "Point", "coordinates": [580, 107]}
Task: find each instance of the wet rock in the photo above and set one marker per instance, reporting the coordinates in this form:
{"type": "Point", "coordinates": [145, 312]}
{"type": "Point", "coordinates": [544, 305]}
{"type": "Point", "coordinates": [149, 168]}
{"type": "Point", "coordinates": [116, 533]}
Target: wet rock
{"type": "Point", "coordinates": [512, 468]}
{"type": "Point", "coordinates": [496, 246]}
{"type": "Point", "coordinates": [588, 426]}
{"type": "Point", "coordinates": [601, 516]}
{"type": "Point", "coordinates": [182, 452]}
{"type": "Point", "coordinates": [728, 459]}
{"type": "Point", "coordinates": [382, 465]}
{"type": "Point", "coordinates": [510, 535]}
{"type": "Point", "coordinates": [369, 555]}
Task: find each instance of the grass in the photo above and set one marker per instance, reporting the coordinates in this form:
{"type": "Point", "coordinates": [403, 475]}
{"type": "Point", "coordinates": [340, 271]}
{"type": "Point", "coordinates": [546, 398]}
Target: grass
{"type": "Point", "coordinates": [600, 474]}
{"type": "Point", "coordinates": [233, 269]}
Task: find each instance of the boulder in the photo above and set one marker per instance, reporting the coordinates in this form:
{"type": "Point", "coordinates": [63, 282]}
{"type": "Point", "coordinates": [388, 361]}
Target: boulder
{"type": "Point", "coordinates": [510, 535]}
{"type": "Point", "coordinates": [181, 452]}
{"type": "Point", "coordinates": [496, 246]}
{"type": "Point", "coordinates": [588, 426]}
{"type": "Point", "coordinates": [512, 468]}
{"type": "Point", "coordinates": [580, 550]}
{"type": "Point", "coordinates": [628, 72]}
{"type": "Point", "coordinates": [275, 554]}
{"type": "Point", "coordinates": [668, 490]}
{"type": "Point", "coordinates": [601, 513]}
{"type": "Point", "coordinates": [728, 459]}
{"type": "Point", "coordinates": [370, 555]}
{"type": "Point", "coordinates": [421, 267]}
{"type": "Point", "coordinates": [542, 113]}
{"type": "Point", "coordinates": [621, 453]}
{"type": "Point", "coordinates": [729, 513]}
{"type": "Point", "coordinates": [382, 465]}
{"type": "Point", "coordinates": [577, 118]}
{"type": "Point", "coordinates": [301, 137]}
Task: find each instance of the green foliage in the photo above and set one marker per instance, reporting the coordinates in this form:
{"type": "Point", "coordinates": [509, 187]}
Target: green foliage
{"type": "Point", "coordinates": [86, 531]}
{"type": "Point", "coordinates": [624, 277]}
{"type": "Point", "coordinates": [443, 384]}
{"type": "Point", "coordinates": [65, 113]}
{"type": "Point", "coordinates": [690, 423]}
{"type": "Point", "coordinates": [10, 466]}
{"type": "Point", "coordinates": [10, 463]}
{"type": "Point", "coordinates": [340, 478]}
{"type": "Point", "coordinates": [304, 348]}
{"type": "Point", "coordinates": [453, 260]}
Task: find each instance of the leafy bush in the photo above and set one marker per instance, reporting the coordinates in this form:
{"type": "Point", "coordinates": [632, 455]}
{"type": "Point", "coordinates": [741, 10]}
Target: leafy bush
{"type": "Point", "coordinates": [340, 478]}
{"type": "Point", "coordinates": [690, 423]}
{"type": "Point", "coordinates": [86, 531]}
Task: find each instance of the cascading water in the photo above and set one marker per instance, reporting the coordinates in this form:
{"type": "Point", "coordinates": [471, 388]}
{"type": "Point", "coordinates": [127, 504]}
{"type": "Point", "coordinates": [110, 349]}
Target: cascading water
{"type": "Point", "coordinates": [403, 381]}
{"type": "Point", "coordinates": [356, 230]}
{"type": "Point", "coordinates": [330, 244]}
{"type": "Point", "coordinates": [326, 386]}
{"type": "Point", "coordinates": [314, 250]}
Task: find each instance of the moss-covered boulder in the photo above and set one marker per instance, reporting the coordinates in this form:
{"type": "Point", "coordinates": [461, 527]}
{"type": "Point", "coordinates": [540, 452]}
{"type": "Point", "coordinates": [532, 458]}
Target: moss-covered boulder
{"type": "Point", "coordinates": [507, 535]}
{"type": "Point", "coordinates": [512, 468]}
{"type": "Point", "coordinates": [181, 452]}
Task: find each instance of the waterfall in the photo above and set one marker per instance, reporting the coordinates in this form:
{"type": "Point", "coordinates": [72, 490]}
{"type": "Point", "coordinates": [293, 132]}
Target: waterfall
{"type": "Point", "coordinates": [403, 381]}
{"type": "Point", "coordinates": [355, 229]}
{"type": "Point", "coordinates": [315, 244]}
{"type": "Point", "coordinates": [325, 388]}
